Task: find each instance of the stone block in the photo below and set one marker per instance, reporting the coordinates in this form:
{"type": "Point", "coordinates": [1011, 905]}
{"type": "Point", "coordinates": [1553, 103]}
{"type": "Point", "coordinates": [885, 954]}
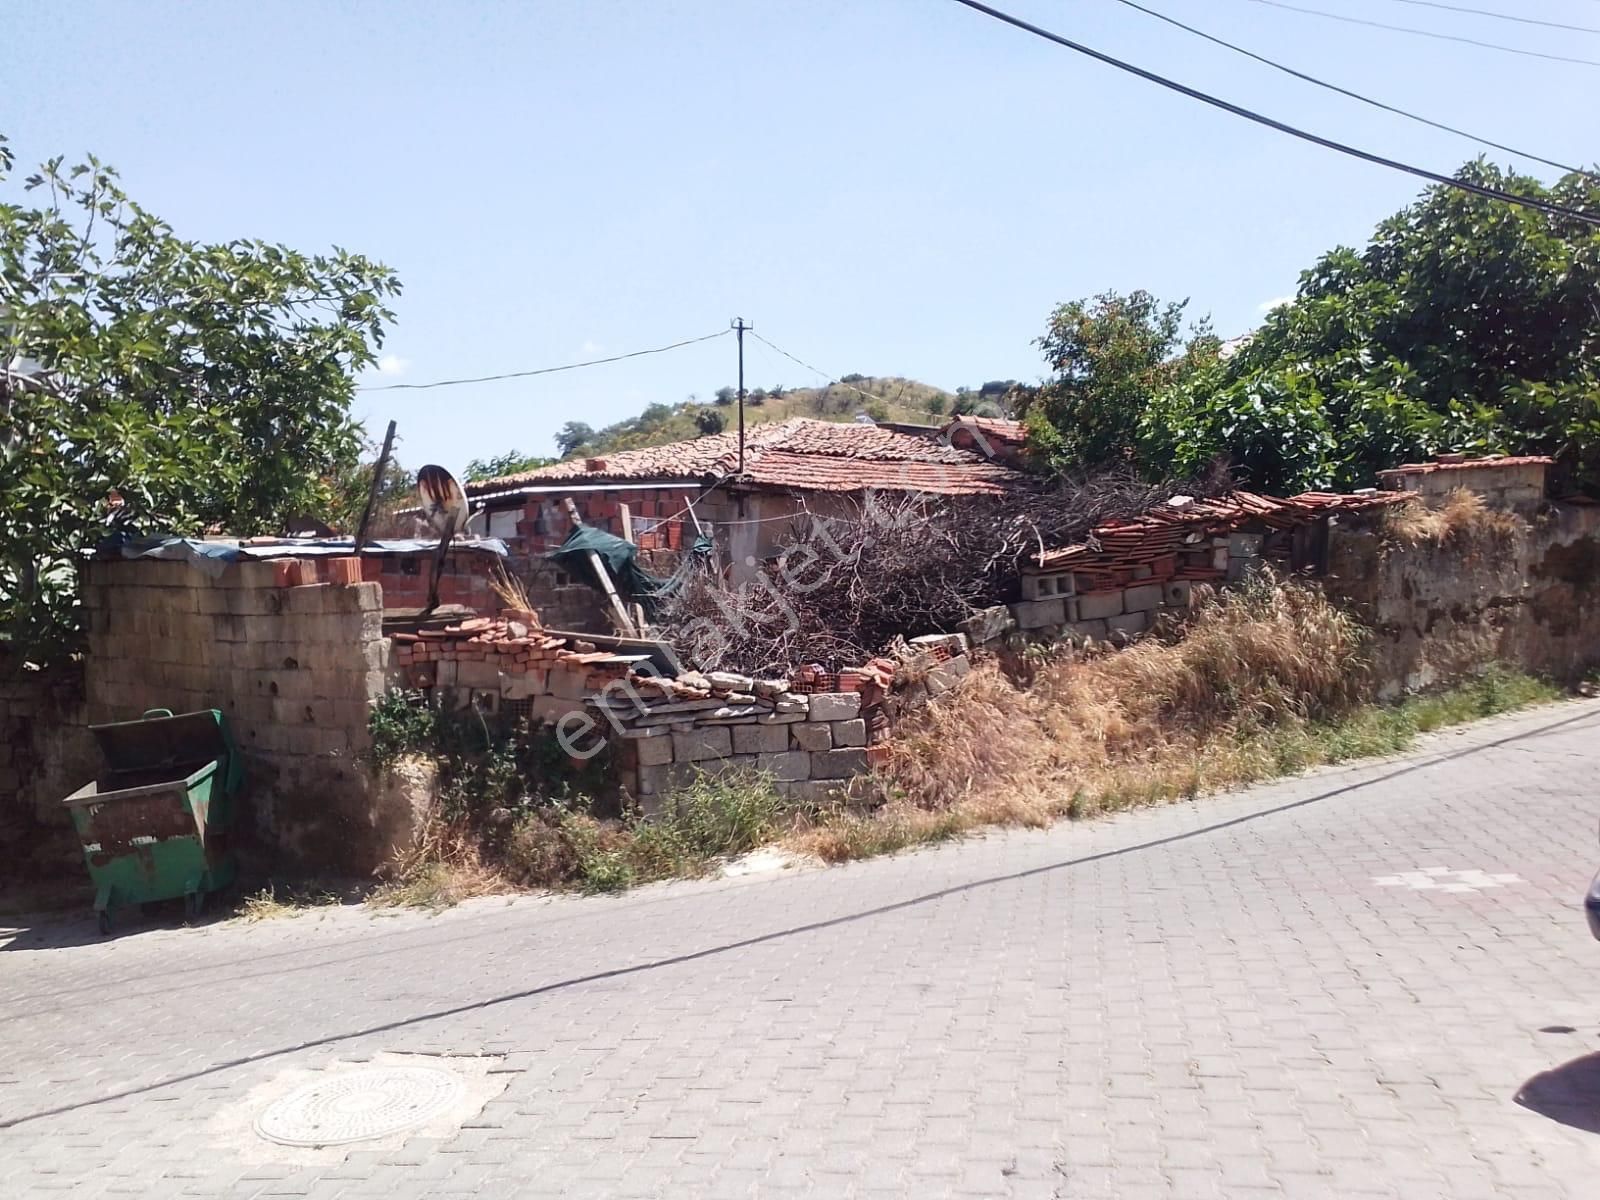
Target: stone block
{"type": "Point", "coordinates": [760, 739]}
{"type": "Point", "coordinates": [834, 706]}
{"type": "Point", "coordinates": [838, 764]}
{"type": "Point", "coordinates": [1095, 606]}
{"type": "Point", "coordinates": [811, 791]}
{"type": "Point", "coordinates": [786, 767]}
{"type": "Point", "coordinates": [695, 745]}
{"type": "Point", "coordinates": [524, 685]}
{"type": "Point", "coordinates": [1145, 598]}
{"type": "Point", "coordinates": [665, 778]}
{"type": "Point", "coordinates": [781, 718]}
{"type": "Point", "coordinates": [942, 678]}
{"type": "Point", "coordinates": [653, 751]}
{"type": "Point", "coordinates": [849, 733]}
{"type": "Point", "coordinates": [988, 625]}
{"type": "Point", "coordinates": [1039, 614]}
{"type": "Point", "coordinates": [812, 735]}
{"type": "Point", "coordinates": [1094, 631]}
{"type": "Point", "coordinates": [479, 673]}
{"type": "Point", "coordinates": [1134, 622]}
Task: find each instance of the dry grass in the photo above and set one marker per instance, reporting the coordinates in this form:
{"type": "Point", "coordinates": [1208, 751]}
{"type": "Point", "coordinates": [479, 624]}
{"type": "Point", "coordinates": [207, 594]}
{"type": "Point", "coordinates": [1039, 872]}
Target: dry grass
{"type": "Point", "coordinates": [269, 904]}
{"type": "Point", "coordinates": [1267, 681]}
{"type": "Point", "coordinates": [1460, 519]}
{"type": "Point", "coordinates": [512, 592]}
{"type": "Point", "coordinates": [444, 869]}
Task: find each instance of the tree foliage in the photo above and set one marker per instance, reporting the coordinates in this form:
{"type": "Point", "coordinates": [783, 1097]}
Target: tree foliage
{"type": "Point", "coordinates": [1109, 355]}
{"type": "Point", "coordinates": [1466, 325]}
{"type": "Point", "coordinates": [512, 462]}
{"type": "Point", "coordinates": [573, 436]}
{"type": "Point", "coordinates": [179, 385]}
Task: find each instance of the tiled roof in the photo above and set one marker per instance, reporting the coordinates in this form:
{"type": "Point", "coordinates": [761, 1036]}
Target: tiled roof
{"type": "Point", "coordinates": [1003, 437]}
{"type": "Point", "coordinates": [1452, 462]}
{"type": "Point", "coordinates": [798, 453]}
{"type": "Point", "coordinates": [1173, 539]}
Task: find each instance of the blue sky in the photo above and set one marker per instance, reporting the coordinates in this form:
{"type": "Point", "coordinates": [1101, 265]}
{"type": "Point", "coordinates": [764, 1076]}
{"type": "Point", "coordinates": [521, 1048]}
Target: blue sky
{"type": "Point", "coordinates": [888, 186]}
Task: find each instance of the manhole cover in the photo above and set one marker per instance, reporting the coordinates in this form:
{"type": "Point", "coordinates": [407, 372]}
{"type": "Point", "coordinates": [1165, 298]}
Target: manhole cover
{"type": "Point", "coordinates": [359, 1105]}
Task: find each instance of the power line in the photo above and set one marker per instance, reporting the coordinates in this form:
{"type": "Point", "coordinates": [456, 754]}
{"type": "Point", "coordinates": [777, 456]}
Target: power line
{"type": "Point", "coordinates": [1333, 87]}
{"type": "Point", "coordinates": [1429, 33]}
{"type": "Point", "coordinates": [1465, 185]}
{"type": "Point", "coordinates": [593, 362]}
{"type": "Point", "coordinates": [1499, 16]}
{"type": "Point", "coordinates": [817, 370]}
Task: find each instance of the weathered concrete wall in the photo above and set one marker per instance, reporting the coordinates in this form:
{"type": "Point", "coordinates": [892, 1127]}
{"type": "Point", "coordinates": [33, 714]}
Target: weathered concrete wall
{"type": "Point", "coordinates": [293, 668]}
{"type": "Point", "coordinates": [1440, 610]}
{"type": "Point", "coordinates": [45, 753]}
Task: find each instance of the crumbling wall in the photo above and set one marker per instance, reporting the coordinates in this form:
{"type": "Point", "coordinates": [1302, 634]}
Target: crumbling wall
{"type": "Point", "coordinates": [45, 753]}
{"type": "Point", "coordinates": [1440, 609]}
{"type": "Point", "coordinates": [294, 669]}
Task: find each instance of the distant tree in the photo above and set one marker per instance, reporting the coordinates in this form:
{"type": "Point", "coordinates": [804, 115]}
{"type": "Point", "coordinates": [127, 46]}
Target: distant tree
{"type": "Point", "coordinates": [853, 377]}
{"type": "Point", "coordinates": [726, 395]}
{"type": "Point", "coordinates": [656, 414]}
{"type": "Point", "coordinates": [756, 398]}
{"type": "Point", "coordinates": [777, 393]}
{"type": "Point", "coordinates": [997, 387]}
{"type": "Point", "coordinates": [709, 420]}
{"type": "Point", "coordinates": [877, 410]}
{"type": "Point", "coordinates": [571, 436]}
{"type": "Point", "coordinates": [937, 404]}
{"type": "Point", "coordinates": [512, 462]}
{"type": "Point", "coordinates": [962, 391]}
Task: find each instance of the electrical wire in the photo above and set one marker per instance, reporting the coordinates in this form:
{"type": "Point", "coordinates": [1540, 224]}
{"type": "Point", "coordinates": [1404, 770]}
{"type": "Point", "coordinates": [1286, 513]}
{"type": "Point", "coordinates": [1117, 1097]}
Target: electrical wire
{"type": "Point", "coordinates": [1429, 33]}
{"type": "Point", "coordinates": [817, 370]}
{"type": "Point", "coordinates": [1334, 87]}
{"type": "Point", "coordinates": [593, 362]}
{"type": "Point", "coordinates": [1491, 193]}
{"type": "Point", "coordinates": [1499, 16]}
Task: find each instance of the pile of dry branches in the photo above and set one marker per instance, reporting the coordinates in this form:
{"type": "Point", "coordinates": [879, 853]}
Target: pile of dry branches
{"type": "Point", "coordinates": [893, 564]}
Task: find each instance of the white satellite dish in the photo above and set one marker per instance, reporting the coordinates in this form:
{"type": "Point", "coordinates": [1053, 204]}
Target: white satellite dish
{"type": "Point", "coordinates": [444, 504]}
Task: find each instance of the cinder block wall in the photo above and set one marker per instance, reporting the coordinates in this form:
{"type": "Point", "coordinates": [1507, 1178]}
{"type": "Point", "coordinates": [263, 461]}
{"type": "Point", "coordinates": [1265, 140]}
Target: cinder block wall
{"type": "Point", "coordinates": [293, 668]}
{"type": "Point", "coordinates": [45, 753]}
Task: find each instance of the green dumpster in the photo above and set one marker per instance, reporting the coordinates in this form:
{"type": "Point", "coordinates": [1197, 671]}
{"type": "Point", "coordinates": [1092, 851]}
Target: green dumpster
{"type": "Point", "coordinates": [154, 824]}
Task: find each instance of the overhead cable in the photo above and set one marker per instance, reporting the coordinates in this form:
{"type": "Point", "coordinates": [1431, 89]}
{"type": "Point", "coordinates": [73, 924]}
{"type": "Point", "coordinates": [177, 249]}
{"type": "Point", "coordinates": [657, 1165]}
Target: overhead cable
{"type": "Point", "coordinates": [1334, 87]}
{"type": "Point", "coordinates": [593, 362]}
{"type": "Point", "coordinates": [1491, 193]}
{"type": "Point", "coordinates": [1428, 33]}
{"type": "Point", "coordinates": [1499, 16]}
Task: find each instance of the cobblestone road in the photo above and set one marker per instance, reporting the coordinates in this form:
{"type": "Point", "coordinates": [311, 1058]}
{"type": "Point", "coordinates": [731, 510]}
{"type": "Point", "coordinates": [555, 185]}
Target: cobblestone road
{"type": "Point", "coordinates": [1367, 982]}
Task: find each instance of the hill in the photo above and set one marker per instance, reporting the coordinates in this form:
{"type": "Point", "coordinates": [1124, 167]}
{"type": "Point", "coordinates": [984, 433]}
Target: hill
{"type": "Point", "coordinates": [881, 397]}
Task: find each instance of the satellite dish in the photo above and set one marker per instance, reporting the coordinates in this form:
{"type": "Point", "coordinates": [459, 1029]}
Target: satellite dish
{"type": "Point", "coordinates": [444, 504]}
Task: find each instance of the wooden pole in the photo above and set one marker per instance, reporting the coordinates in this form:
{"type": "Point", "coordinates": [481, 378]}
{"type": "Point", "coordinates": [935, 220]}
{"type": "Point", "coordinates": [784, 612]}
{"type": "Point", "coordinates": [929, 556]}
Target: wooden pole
{"type": "Point", "coordinates": [627, 535]}
{"type": "Point", "coordinates": [372, 492]}
{"type": "Point", "coordinates": [618, 612]}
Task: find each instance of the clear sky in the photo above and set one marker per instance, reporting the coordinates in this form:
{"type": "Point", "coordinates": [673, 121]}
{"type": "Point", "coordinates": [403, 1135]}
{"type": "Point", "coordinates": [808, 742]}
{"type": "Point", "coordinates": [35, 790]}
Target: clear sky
{"type": "Point", "coordinates": [884, 186]}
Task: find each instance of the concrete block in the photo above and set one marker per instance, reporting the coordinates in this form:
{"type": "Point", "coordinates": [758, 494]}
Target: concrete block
{"type": "Point", "coordinates": [524, 686]}
{"type": "Point", "coordinates": [550, 709]}
{"type": "Point", "coordinates": [653, 751]}
{"type": "Point", "coordinates": [1134, 622]}
{"type": "Point", "coordinates": [1144, 599]}
{"type": "Point", "coordinates": [1177, 593]}
{"type": "Point", "coordinates": [1039, 614]}
{"type": "Point", "coordinates": [834, 706]}
{"type": "Point", "coordinates": [778, 718]}
{"type": "Point", "coordinates": [811, 791]}
{"type": "Point", "coordinates": [694, 745]}
{"type": "Point", "coordinates": [665, 778]}
{"type": "Point", "coordinates": [1095, 606]}
{"type": "Point", "coordinates": [760, 739]}
{"type": "Point", "coordinates": [838, 764]}
{"type": "Point", "coordinates": [812, 735]}
{"type": "Point", "coordinates": [849, 733]}
{"type": "Point", "coordinates": [941, 679]}
{"type": "Point", "coordinates": [788, 766]}
{"type": "Point", "coordinates": [479, 673]}
{"type": "Point", "coordinates": [567, 684]}
{"type": "Point", "coordinates": [1244, 545]}
{"type": "Point", "coordinates": [444, 673]}
{"type": "Point", "coordinates": [1095, 631]}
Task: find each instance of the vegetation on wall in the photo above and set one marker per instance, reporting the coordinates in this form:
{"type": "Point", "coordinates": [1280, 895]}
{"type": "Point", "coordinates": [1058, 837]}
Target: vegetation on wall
{"type": "Point", "coordinates": [155, 384]}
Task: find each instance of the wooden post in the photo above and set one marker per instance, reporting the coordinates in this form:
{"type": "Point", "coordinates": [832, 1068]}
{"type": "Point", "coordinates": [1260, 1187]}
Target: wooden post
{"type": "Point", "coordinates": [618, 612]}
{"type": "Point", "coordinates": [372, 492]}
{"type": "Point", "coordinates": [627, 535]}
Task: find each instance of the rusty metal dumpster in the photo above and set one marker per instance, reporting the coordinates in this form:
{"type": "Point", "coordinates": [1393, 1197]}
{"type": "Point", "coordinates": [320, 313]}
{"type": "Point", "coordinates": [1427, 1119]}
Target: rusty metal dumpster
{"type": "Point", "coordinates": [154, 824]}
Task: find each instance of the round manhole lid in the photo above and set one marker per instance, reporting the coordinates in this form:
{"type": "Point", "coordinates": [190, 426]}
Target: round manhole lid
{"type": "Point", "coordinates": [359, 1105]}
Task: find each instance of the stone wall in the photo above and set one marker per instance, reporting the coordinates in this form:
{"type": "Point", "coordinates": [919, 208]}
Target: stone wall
{"type": "Point", "coordinates": [45, 753]}
{"type": "Point", "coordinates": [1442, 609]}
{"type": "Point", "coordinates": [294, 669]}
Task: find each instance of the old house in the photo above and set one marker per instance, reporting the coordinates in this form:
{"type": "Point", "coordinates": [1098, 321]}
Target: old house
{"type": "Point", "coordinates": [664, 497]}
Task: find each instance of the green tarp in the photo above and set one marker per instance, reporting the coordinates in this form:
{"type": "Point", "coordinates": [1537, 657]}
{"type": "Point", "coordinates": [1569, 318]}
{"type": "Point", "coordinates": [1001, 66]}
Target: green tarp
{"type": "Point", "coordinates": [621, 559]}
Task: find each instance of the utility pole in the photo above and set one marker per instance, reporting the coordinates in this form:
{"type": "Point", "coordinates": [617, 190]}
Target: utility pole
{"type": "Point", "coordinates": [739, 327]}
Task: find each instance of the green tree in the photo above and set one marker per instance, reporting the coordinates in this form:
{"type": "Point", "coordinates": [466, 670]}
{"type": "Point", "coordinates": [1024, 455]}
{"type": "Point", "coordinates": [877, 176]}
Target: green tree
{"type": "Point", "coordinates": [709, 420]}
{"type": "Point", "coordinates": [158, 384]}
{"type": "Point", "coordinates": [1465, 325]}
{"type": "Point", "coordinates": [571, 436]}
{"type": "Point", "coordinates": [1109, 355]}
{"type": "Point", "coordinates": [726, 395]}
{"type": "Point", "coordinates": [512, 462]}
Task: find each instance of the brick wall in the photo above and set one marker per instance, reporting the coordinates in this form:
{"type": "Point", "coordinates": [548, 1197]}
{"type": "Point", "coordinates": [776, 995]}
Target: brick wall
{"type": "Point", "coordinates": [467, 579]}
{"type": "Point", "coordinates": [293, 668]}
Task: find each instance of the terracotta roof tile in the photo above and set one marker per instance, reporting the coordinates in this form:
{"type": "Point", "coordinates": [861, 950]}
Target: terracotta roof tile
{"type": "Point", "coordinates": [798, 453]}
{"type": "Point", "coordinates": [1453, 463]}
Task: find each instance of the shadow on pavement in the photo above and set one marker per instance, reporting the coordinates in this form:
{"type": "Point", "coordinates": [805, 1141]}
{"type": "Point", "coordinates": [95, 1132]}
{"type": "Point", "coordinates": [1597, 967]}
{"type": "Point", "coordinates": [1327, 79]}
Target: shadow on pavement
{"type": "Point", "coordinates": [1569, 1094]}
{"type": "Point", "coordinates": [8, 1121]}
